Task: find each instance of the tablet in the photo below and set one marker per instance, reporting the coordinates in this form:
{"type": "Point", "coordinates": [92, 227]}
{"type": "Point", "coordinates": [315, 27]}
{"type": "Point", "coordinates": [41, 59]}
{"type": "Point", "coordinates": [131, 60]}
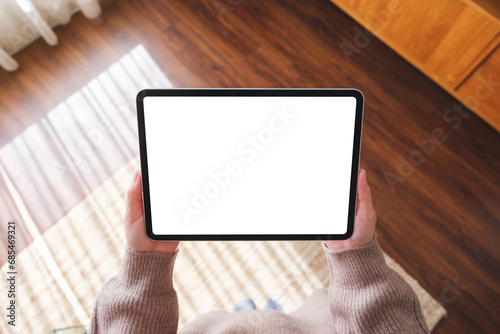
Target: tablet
{"type": "Point", "coordinates": [249, 164]}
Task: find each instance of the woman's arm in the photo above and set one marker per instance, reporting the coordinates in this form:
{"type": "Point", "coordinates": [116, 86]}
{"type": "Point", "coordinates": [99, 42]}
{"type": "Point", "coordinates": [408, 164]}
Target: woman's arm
{"type": "Point", "coordinates": [141, 298]}
{"type": "Point", "coordinates": [365, 295]}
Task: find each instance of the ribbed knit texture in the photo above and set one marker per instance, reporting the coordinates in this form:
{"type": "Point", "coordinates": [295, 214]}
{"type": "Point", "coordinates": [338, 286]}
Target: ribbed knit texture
{"type": "Point", "coordinates": [364, 296]}
{"type": "Point", "coordinates": [140, 299]}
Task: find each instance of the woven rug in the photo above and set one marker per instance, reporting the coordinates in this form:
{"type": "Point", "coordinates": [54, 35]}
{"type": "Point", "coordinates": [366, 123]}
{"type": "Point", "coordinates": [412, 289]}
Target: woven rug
{"type": "Point", "coordinates": [62, 272]}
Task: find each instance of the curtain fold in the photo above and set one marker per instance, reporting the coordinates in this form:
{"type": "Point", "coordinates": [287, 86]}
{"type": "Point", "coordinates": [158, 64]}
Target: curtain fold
{"type": "Point", "coordinates": [24, 21]}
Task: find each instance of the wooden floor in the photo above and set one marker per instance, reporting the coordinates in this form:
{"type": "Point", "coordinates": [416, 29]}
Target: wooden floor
{"type": "Point", "coordinates": [67, 123]}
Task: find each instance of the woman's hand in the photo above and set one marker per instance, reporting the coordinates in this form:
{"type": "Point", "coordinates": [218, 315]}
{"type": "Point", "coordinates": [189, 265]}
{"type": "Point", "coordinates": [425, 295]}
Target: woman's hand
{"type": "Point", "coordinates": [364, 222]}
{"type": "Point", "coordinates": [135, 228]}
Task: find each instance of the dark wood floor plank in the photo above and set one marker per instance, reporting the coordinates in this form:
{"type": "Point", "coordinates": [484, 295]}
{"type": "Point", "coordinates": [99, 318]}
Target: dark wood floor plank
{"type": "Point", "coordinates": [232, 40]}
{"type": "Point", "coordinates": [190, 50]}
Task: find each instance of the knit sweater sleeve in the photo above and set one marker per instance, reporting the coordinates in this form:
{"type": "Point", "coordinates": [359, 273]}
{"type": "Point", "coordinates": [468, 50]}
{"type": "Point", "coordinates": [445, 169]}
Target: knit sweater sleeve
{"type": "Point", "coordinates": [366, 296]}
{"type": "Point", "coordinates": [140, 299]}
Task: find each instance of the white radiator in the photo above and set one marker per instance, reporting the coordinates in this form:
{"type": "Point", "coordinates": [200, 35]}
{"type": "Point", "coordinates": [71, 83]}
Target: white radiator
{"type": "Point", "coordinates": [23, 21]}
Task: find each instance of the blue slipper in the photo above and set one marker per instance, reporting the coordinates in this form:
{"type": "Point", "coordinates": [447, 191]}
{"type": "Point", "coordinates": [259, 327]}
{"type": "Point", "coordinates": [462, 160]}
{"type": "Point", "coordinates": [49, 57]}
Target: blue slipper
{"type": "Point", "coordinates": [272, 304]}
{"type": "Point", "coordinates": [244, 305]}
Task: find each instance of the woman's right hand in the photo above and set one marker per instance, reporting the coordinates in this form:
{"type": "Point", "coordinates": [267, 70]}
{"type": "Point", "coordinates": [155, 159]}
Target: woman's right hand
{"type": "Point", "coordinates": [364, 222]}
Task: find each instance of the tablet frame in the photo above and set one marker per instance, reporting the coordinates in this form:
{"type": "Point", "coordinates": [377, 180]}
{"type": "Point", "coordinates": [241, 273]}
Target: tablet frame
{"type": "Point", "coordinates": [257, 93]}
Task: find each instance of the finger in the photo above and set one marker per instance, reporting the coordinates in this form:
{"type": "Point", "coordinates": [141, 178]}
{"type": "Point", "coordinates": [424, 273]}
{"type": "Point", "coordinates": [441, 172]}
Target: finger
{"type": "Point", "coordinates": [365, 204]}
{"type": "Point", "coordinates": [362, 186]}
{"type": "Point", "coordinates": [134, 199]}
{"type": "Point", "coordinates": [357, 191]}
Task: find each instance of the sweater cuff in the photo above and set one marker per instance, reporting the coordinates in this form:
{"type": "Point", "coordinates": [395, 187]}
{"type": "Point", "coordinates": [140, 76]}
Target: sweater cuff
{"type": "Point", "coordinates": [150, 271]}
{"type": "Point", "coordinates": [357, 266]}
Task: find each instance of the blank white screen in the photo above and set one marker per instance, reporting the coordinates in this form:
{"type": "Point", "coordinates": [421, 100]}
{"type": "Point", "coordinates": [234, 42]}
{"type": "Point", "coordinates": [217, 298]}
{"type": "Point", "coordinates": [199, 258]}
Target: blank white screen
{"type": "Point", "coordinates": [249, 165]}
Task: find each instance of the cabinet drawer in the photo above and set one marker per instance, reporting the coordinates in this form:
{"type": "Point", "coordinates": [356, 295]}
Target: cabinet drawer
{"type": "Point", "coordinates": [481, 89]}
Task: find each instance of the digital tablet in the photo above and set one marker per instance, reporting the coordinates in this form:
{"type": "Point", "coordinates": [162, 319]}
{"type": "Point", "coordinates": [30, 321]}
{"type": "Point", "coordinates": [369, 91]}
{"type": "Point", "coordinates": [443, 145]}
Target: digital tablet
{"type": "Point", "coordinates": [249, 164]}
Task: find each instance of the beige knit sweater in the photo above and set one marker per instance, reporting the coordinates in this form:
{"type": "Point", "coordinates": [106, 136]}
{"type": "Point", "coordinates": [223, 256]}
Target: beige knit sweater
{"type": "Point", "coordinates": [364, 296]}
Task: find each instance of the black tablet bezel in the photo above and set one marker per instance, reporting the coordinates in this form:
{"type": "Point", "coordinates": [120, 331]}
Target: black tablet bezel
{"type": "Point", "coordinates": [251, 92]}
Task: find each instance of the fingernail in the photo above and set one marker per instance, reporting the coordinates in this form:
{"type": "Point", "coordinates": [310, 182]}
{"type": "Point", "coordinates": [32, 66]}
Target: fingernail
{"type": "Point", "coordinates": [134, 180]}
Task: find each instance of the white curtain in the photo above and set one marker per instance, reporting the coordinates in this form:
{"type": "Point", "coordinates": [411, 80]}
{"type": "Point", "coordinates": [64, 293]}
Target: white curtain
{"type": "Point", "coordinates": [23, 21]}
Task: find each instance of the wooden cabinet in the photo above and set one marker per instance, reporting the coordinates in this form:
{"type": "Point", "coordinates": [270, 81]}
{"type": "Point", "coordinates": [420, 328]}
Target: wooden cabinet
{"type": "Point", "coordinates": [453, 42]}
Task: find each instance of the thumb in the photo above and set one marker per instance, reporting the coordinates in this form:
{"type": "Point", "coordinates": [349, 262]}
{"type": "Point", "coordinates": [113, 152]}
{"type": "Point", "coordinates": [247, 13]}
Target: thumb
{"type": "Point", "coordinates": [134, 199]}
{"type": "Point", "coordinates": [364, 209]}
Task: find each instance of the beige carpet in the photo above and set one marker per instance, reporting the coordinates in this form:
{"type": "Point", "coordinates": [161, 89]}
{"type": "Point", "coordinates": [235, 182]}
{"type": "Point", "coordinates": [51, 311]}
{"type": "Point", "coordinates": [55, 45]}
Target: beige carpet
{"type": "Point", "coordinates": [61, 273]}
